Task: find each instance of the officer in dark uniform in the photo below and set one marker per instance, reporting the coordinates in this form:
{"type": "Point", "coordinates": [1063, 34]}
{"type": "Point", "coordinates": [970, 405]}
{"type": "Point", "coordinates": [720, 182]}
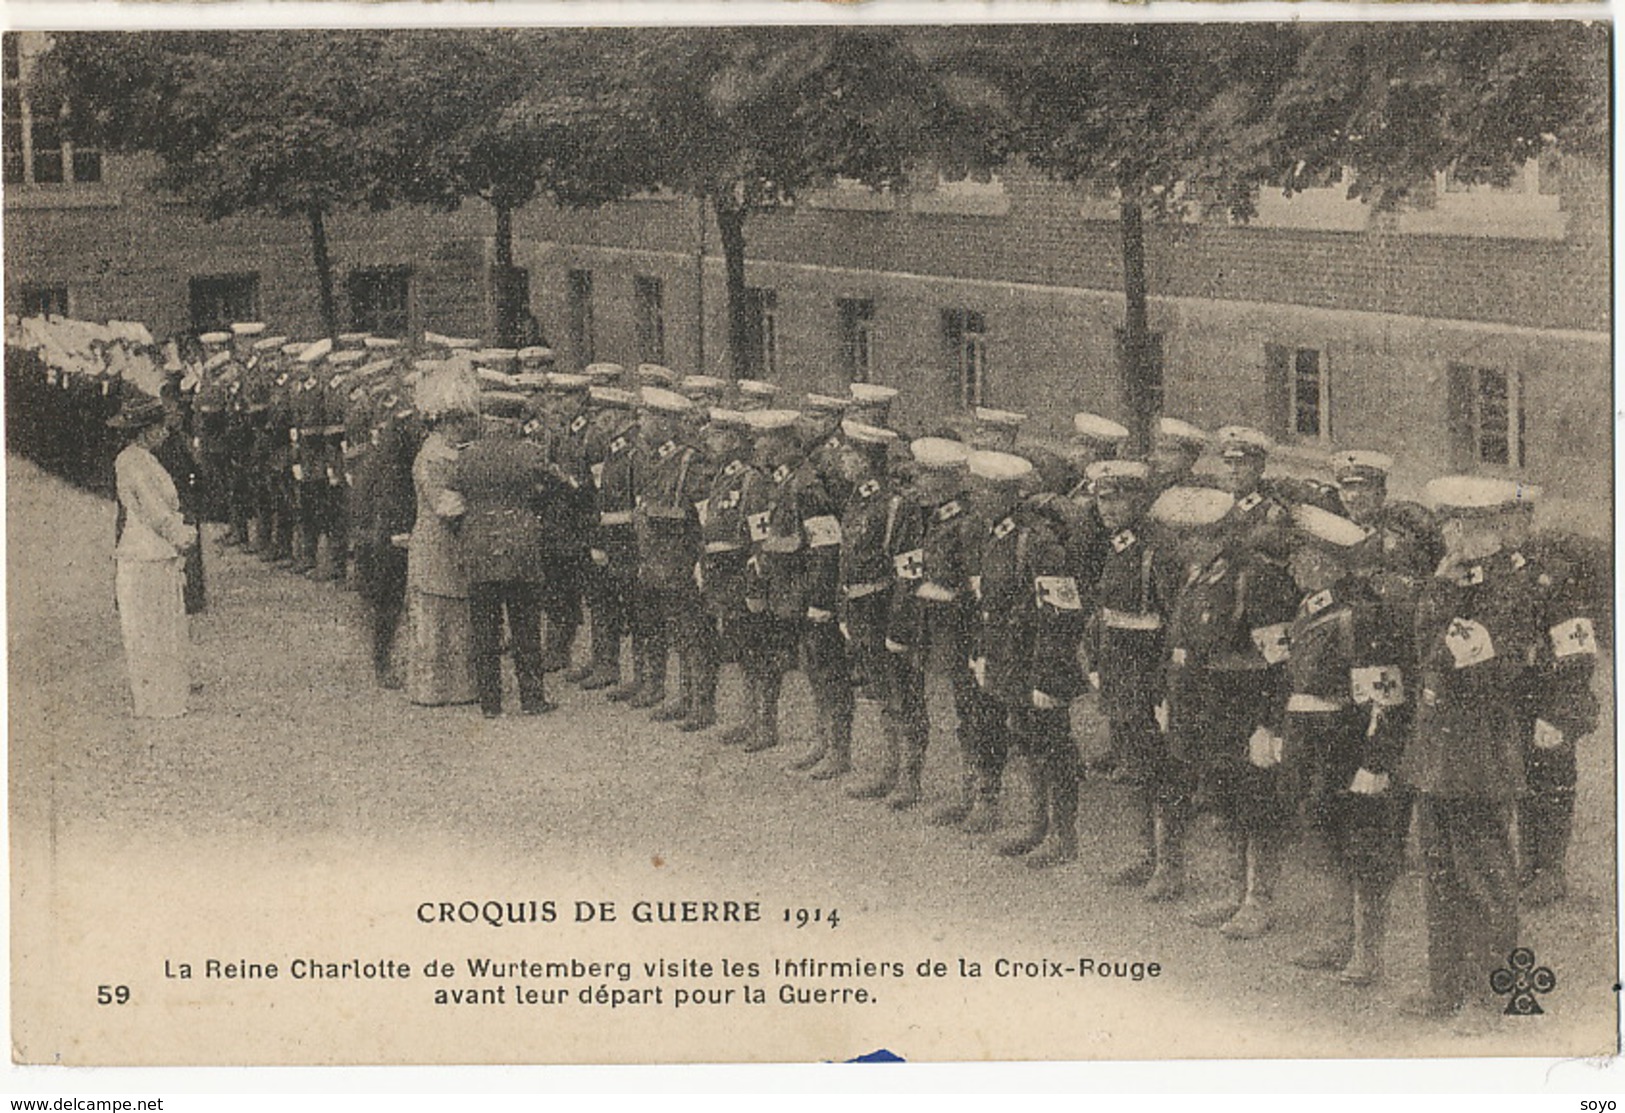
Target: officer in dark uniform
{"type": "Point", "coordinates": [1024, 656]}
{"type": "Point", "coordinates": [259, 375]}
{"type": "Point", "coordinates": [1402, 546]}
{"type": "Point", "coordinates": [1128, 628]}
{"type": "Point", "coordinates": [674, 480]}
{"type": "Point", "coordinates": [1347, 716]}
{"type": "Point", "coordinates": [872, 525]}
{"type": "Point", "coordinates": [1483, 634]}
{"type": "Point", "coordinates": [779, 572]}
{"type": "Point", "coordinates": [819, 428]}
{"type": "Point", "coordinates": [1228, 646]}
{"type": "Point", "coordinates": [342, 365]}
{"type": "Point", "coordinates": [614, 549]}
{"type": "Point", "coordinates": [590, 432]}
{"type": "Point", "coordinates": [996, 430]}
{"type": "Point", "coordinates": [1245, 453]}
{"type": "Point", "coordinates": [725, 543]}
{"type": "Point", "coordinates": [242, 419]}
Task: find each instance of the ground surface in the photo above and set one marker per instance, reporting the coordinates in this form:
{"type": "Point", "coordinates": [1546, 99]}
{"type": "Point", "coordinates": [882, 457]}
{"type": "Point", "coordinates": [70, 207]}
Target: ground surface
{"type": "Point", "coordinates": [301, 811]}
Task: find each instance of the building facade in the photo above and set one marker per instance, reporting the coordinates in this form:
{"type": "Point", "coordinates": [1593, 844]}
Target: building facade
{"type": "Point", "coordinates": [1471, 334]}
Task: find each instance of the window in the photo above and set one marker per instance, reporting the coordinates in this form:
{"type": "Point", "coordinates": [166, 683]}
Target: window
{"type": "Point", "coordinates": [1300, 384]}
{"type": "Point", "coordinates": [1486, 416]}
{"type": "Point", "coordinates": [855, 319]}
{"type": "Point", "coordinates": [218, 300]}
{"type": "Point", "coordinates": [650, 319]}
{"type": "Point", "coordinates": [762, 307]}
{"type": "Point", "coordinates": [964, 341]}
{"type": "Point", "coordinates": [1155, 392]}
{"type": "Point", "coordinates": [44, 301]}
{"type": "Point", "coordinates": [380, 300]}
{"type": "Point", "coordinates": [579, 307]}
{"type": "Point", "coordinates": [37, 151]}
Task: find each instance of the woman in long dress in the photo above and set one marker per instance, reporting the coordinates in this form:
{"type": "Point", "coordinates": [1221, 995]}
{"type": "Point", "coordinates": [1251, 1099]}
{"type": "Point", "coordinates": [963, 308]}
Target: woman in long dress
{"type": "Point", "coordinates": [441, 665]}
{"type": "Point", "coordinates": [149, 558]}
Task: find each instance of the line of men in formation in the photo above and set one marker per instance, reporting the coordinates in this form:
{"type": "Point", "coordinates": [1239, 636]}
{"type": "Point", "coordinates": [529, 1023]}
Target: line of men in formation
{"type": "Point", "coordinates": [1262, 647]}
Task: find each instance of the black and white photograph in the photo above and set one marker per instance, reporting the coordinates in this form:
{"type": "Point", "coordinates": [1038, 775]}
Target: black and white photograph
{"type": "Point", "coordinates": [803, 543]}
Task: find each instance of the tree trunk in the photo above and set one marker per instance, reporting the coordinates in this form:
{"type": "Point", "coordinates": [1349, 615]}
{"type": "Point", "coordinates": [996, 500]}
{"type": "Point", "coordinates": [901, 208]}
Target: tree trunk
{"type": "Point", "coordinates": [1138, 397]}
{"type": "Point", "coordinates": [741, 340]}
{"type": "Point", "coordinates": [324, 272]}
{"type": "Point", "coordinates": [504, 281]}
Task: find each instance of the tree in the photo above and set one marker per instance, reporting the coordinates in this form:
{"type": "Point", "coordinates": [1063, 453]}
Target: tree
{"type": "Point", "coordinates": [507, 115]}
{"type": "Point", "coordinates": [748, 118]}
{"type": "Point", "coordinates": [293, 124]}
{"type": "Point", "coordinates": [1164, 115]}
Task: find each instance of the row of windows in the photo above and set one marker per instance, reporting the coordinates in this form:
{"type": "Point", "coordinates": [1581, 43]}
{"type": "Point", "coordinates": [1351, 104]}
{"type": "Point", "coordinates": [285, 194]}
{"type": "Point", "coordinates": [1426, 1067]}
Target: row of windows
{"type": "Point", "coordinates": [35, 149]}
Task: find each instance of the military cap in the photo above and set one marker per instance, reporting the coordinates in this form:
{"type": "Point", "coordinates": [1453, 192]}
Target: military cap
{"type": "Point", "coordinates": [1457, 495]}
{"type": "Point", "coordinates": [219, 359]}
{"type": "Point", "coordinates": [1326, 528]}
{"type": "Point", "coordinates": [352, 339]}
{"type": "Point", "coordinates": [498, 358]}
{"type": "Point", "coordinates": [613, 397]}
{"type": "Point", "coordinates": [347, 358]}
{"type": "Point", "coordinates": [703, 387]}
{"type": "Point", "coordinates": [999, 467]}
{"type": "Point", "coordinates": [1093, 427]}
{"type": "Point", "coordinates": [368, 370]}
{"type": "Point", "coordinates": [603, 373]}
{"type": "Point", "coordinates": [1181, 433]}
{"type": "Point", "coordinates": [756, 388]}
{"type": "Point", "coordinates": [1192, 507]}
{"type": "Point", "coordinates": [502, 403]}
{"type": "Point", "coordinates": [315, 350]}
{"type": "Point", "coordinates": [269, 343]}
{"type": "Point", "coordinates": [1240, 441]}
{"type": "Point", "coordinates": [1358, 466]}
{"type": "Point", "coordinates": [863, 433]}
{"type": "Point", "coordinates": [939, 453]}
{"type": "Point", "coordinates": [491, 378]}
{"type": "Point", "coordinates": [294, 348]}
{"type": "Point", "coordinates": [381, 343]}
{"type": "Point", "coordinates": [535, 354]}
{"type": "Point", "coordinates": [247, 328]}
{"type": "Point", "coordinates": [872, 402]}
{"type": "Point", "coordinates": [565, 383]}
{"type": "Point", "coordinates": [531, 380]}
{"type": "Point", "coordinates": [654, 374]}
{"type": "Point", "coordinates": [1113, 475]}
{"type": "Point", "coordinates": [1000, 419]}
{"type": "Point", "coordinates": [819, 404]}
{"type": "Point", "coordinates": [215, 339]}
{"type": "Point", "coordinates": [724, 418]}
{"type": "Point", "coordinates": [772, 421]}
{"type": "Point", "coordinates": [664, 401]}
{"type": "Point", "coordinates": [455, 343]}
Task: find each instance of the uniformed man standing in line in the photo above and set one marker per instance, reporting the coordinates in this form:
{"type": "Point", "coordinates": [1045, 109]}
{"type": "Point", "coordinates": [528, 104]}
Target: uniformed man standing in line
{"type": "Point", "coordinates": [1245, 453]}
{"type": "Point", "coordinates": [614, 550]}
{"type": "Point", "coordinates": [1481, 633]}
{"type": "Point", "coordinates": [236, 375]}
{"type": "Point", "coordinates": [594, 427]}
{"type": "Point", "coordinates": [1402, 547]}
{"type": "Point", "coordinates": [776, 573]}
{"type": "Point", "coordinates": [933, 617]}
{"type": "Point", "coordinates": [309, 438]}
{"type": "Point", "coordinates": [335, 499]}
{"type": "Point", "coordinates": [210, 417]}
{"type": "Point", "coordinates": [1228, 645]}
{"type": "Point", "coordinates": [559, 422]}
{"type": "Point", "coordinates": [725, 547]}
{"type": "Point", "coordinates": [804, 541]}
{"type": "Point", "coordinates": [674, 480]}
{"type": "Point", "coordinates": [1029, 622]}
{"type": "Point", "coordinates": [385, 506]}
{"type": "Point", "coordinates": [754, 394]}
{"type": "Point", "coordinates": [258, 382]}
{"type": "Point", "coordinates": [1128, 629]}
{"type": "Point", "coordinates": [281, 437]}
{"type": "Point", "coordinates": [872, 524]}
{"type": "Point", "coordinates": [1347, 716]}
{"type": "Point", "coordinates": [996, 430]}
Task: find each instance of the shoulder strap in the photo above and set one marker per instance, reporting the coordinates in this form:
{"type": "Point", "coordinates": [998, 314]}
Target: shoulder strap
{"type": "Point", "coordinates": [891, 522]}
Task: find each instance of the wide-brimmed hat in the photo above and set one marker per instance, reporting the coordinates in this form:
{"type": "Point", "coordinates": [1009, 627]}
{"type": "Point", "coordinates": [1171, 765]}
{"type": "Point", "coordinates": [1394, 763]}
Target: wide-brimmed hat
{"type": "Point", "coordinates": [138, 413]}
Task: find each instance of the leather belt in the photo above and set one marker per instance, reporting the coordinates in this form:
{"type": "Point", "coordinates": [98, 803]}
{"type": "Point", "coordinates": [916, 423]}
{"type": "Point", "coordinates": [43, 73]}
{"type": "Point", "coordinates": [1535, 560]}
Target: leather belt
{"type": "Point", "coordinates": [1304, 703]}
{"type": "Point", "coordinates": [1129, 620]}
{"type": "Point", "coordinates": [723, 546]}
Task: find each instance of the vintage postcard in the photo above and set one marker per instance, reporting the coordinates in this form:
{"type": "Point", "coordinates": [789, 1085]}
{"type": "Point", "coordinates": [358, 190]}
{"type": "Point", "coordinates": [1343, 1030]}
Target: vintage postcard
{"type": "Point", "coordinates": [1047, 541]}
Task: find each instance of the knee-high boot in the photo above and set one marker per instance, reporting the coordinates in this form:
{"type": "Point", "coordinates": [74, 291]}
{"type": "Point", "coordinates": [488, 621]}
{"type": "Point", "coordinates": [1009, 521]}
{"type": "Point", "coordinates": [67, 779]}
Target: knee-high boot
{"type": "Point", "coordinates": [1254, 917]}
